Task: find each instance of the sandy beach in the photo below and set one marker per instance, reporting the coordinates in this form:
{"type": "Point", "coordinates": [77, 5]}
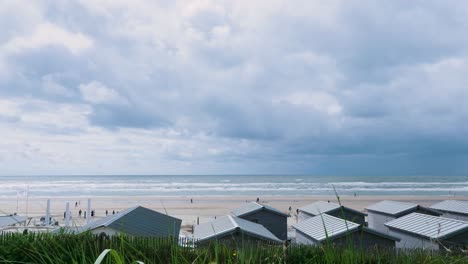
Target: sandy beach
{"type": "Point", "coordinates": [203, 209]}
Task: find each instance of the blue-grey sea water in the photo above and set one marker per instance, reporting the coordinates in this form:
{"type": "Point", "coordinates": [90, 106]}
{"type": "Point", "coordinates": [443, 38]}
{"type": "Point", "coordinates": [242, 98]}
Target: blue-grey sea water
{"type": "Point", "coordinates": [230, 185]}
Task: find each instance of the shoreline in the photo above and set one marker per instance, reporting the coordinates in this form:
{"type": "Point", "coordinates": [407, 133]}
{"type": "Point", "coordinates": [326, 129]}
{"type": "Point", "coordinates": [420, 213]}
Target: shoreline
{"type": "Point", "coordinates": [227, 196]}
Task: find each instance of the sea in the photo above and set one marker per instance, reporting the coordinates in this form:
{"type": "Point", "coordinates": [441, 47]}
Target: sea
{"type": "Point", "coordinates": [229, 185]}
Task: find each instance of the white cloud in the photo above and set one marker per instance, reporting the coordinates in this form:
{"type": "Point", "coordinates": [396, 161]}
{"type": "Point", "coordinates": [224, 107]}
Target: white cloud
{"type": "Point", "coordinates": [8, 108]}
{"type": "Point", "coordinates": [37, 114]}
{"type": "Point", "coordinates": [48, 34]}
{"type": "Point", "coordinates": [97, 93]}
{"type": "Point", "coordinates": [319, 101]}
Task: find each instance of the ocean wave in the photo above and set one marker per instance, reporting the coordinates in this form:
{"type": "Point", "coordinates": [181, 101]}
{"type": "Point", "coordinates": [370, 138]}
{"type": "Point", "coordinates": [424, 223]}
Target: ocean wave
{"type": "Point", "coordinates": [182, 185]}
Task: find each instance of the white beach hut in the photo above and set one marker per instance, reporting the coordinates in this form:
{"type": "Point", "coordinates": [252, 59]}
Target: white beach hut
{"type": "Point", "coordinates": [340, 232]}
{"type": "Point", "coordinates": [421, 231]}
{"type": "Point", "coordinates": [380, 213]}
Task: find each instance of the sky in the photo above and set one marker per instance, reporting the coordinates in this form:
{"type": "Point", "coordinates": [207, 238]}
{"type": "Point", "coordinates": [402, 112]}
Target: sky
{"type": "Point", "coordinates": [332, 87]}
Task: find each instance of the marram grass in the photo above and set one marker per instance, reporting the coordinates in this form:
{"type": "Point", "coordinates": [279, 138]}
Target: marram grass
{"type": "Point", "coordinates": [87, 248]}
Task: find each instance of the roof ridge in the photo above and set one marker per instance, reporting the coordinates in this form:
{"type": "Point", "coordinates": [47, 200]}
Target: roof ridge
{"type": "Point", "coordinates": [322, 201]}
{"type": "Point", "coordinates": [117, 216]}
{"type": "Point", "coordinates": [234, 222]}
{"type": "Point", "coordinates": [400, 202]}
{"type": "Point", "coordinates": [441, 217]}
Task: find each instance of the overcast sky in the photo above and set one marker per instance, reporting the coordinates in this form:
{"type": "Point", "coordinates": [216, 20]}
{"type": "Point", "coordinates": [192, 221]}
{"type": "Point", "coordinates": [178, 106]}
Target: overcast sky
{"type": "Point", "coordinates": [205, 87]}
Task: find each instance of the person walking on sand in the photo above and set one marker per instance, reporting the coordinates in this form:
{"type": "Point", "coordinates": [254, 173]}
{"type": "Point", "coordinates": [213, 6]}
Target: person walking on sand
{"type": "Point", "coordinates": [107, 212]}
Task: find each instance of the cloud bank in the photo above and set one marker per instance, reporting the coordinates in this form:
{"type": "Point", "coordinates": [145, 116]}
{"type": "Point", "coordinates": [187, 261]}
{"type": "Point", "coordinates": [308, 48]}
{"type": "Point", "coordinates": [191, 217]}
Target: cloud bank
{"type": "Point", "coordinates": [166, 87]}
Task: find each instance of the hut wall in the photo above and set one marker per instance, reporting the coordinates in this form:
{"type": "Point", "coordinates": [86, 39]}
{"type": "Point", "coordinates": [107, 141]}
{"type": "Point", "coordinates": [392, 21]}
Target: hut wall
{"type": "Point", "coordinates": [275, 223]}
{"type": "Point", "coordinates": [376, 221]}
{"type": "Point", "coordinates": [409, 241]}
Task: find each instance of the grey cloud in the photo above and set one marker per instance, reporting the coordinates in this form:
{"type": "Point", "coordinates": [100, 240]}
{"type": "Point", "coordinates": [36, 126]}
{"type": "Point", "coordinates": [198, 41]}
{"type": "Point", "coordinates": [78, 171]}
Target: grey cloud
{"type": "Point", "coordinates": [396, 71]}
{"type": "Point", "coordinates": [32, 67]}
{"type": "Point", "coordinates": [9, 119]}
{"type": "Point", "coordinates": [119, 116]}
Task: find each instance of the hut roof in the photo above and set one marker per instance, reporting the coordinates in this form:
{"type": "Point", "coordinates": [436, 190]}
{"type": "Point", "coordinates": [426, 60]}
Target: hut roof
{"type": "Point", "coordinates": [323, 227]}
{"type": "Point", "coordinates": [139, 221]}
{"type": "Point", "coordinates": [9, 220]}
{"type": "Point", "coordinates": [254, 207]}
{"type": "Point", "coordinates": [392, 208]}
{"type": "Point", "coordinates": [452, 206]}
{"type": "Point", "coordinates": [322, 207]}
{"type": "Point", "coordinates": [229, 224]}
{"type": "Point", "coordinates": [428, 226]}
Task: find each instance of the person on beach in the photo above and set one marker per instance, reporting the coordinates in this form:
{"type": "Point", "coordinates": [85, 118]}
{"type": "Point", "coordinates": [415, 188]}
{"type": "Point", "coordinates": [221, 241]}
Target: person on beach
{"type": "Point", "coordinates": [191, 200]}
{"type": "Point", "coordinates": [79, 213]}
{"type": "Point", "coordinates": [84, 214]}
{"type": "Point", "coordinates": [113, 211]}
{"type": "Point", "coordinates": [76, 204]}
{"type": "Point", "coordinates": [258, 199]}
{"type": "Point", "coordinates": [107, 212]}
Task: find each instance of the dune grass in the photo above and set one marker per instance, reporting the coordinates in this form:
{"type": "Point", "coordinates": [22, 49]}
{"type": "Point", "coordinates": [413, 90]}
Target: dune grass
{"type": "Point", "coordinates": [87, 248]}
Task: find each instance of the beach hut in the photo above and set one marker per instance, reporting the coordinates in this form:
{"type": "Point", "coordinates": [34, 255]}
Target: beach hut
{"type": "Point", "coordinates": [12, 220]}
{"type": "Point", "coordinates": [136, 221]}
{"type": "Point", "coordinates": [333, 209]}
{"type": "Point", "coordinates": [453, 209]}
{"type": "Point", "coordinates": [231, 230]}
{"type": "Point", "coordinates": [340, 232]}
{"type": "Point", "coordinates": [380, 213]}
{"type": "Point", "coordinates": [421, 231]}
{"type": "Point", "coordinates": [269, 217]}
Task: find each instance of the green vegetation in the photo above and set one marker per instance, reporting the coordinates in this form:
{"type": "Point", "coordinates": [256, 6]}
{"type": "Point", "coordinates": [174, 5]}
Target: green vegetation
{"type": "Point", "coordinates": [87, 248]}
